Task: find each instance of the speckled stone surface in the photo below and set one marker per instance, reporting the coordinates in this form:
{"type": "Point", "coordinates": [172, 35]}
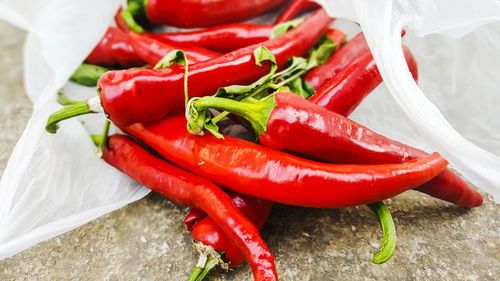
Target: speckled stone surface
{"type": "Point", "coordinates": [147, 240]}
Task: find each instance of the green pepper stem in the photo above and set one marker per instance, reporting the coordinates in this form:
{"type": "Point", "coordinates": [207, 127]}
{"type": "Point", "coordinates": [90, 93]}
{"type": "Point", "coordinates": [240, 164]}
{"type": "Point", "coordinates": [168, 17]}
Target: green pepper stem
{"type": "Point", "coordinates": [209, 259]}
{"type": "Point", "coordinates": [203, 267]}
{"type": "Point", "coordinates": [219, 117]}
{"type": "Point", "coordinates": [185, 81]}
{"type": "Point", "coordinates": [62, 99]}
{"type": "Point", "coordinates": [73, 110]}
{"type": "Point", "coordinates": [135, 8]}
{"type": "Point", "coordinates": [198, 269]}
{"type": "Point", "coordinates": [255, 112]}
{"type": "Point", "coordinates": [388, 245]}
{"type": "Point", "coordinates": [101, 141]}
{"type": "Point", "coordinates": [223, 114]}
{"type": "Point", "coordinates": [88, 74]}
{"type": "Point", "coordinates": [211, 263]}
{"type": "Point", "coordinates": [96, 139]}
{"type": "Point", "coordinates": [105, 134]}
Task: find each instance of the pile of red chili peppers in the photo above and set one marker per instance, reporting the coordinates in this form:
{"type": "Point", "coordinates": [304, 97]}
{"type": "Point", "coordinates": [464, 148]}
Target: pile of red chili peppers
{"type": "Point", "coordinates": [293, 83]}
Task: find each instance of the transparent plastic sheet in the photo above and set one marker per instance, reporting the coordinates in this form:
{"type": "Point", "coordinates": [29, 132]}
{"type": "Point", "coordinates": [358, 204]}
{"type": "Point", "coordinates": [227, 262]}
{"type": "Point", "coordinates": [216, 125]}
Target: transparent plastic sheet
{"type": "Point", "coordinates": [460, 76]}
{"type": "Point", "coordinates": [53, 184]}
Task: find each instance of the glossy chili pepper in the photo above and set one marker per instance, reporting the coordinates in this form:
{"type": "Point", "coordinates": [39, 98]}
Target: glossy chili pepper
{"type": "Point", "coordinates": [223, 38]}
{"type": "Point", "coordinates": [347, 89]}
{"type": "Point", "coordinates": [258, 171]}
{"type": "Point", "coordinates": [294, 8]}
{"type": "Point", "coordinates": [203, 13]}
{"type": "Point", "coordinates": [152, 51]}
{"type": "Point", "coordinates": [141, 95]}
{"type": "Point", "coordinates": [206, 230]}
{"type": "Point", "coordinates": [229, 37]}
{"type": "Point", "coordinates": [344, 92]}
{"type": "Point", "coordinates": [282, 120]}
{"type": "Point", "coordinates": [114, 50]}
{"type": "Point", "coordinates": [187, 189]}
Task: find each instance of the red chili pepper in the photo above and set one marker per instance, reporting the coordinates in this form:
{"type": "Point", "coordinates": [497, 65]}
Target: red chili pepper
{"type": "Point", "coordinates": [294, 8]}
{"type": "Point", "coordinates": [223, 38]}
{"type": "Point", "coordinates": [202, 13]}
{"type": "Point", "coordinates": [340, 99]}
{"type": "Point", "coordinates": [141, 95]}
{"type": "Point", "coordinates": [230, 37]}
{"type": "Point", "coordinates": [282, 120]}
{"type": "Point", "coordinates": [344, 92]}
{"type": "Point", "coordinates": [206, 230]}
{"type": "Point", "coordinates": [187, 189]}
{"type": "Point", "coordinates": [152, 51]}
{"type": "Point", "coordinates": [347, 89]}
{"type": "Point", "coordinates": [114, 50]}
{"type": "Point", "coordinates": [262, 172]}
{"type": "Point", "coordinates": [118, 48]}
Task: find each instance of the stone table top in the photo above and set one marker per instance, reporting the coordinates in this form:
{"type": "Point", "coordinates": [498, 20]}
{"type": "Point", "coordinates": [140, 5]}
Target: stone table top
{"type": "Point", "coordinates": [147, 239]}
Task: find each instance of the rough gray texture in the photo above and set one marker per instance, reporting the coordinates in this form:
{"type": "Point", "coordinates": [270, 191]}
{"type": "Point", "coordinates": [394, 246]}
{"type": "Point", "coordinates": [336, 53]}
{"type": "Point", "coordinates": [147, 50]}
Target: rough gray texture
{"type": "Point", "coordinates": [147, 241]}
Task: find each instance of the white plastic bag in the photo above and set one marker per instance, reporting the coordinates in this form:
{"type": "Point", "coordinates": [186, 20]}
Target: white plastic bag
{"type": "Point", "coordinates": [55, 183]}
{"type": "Point", "coordinates": [382, 22]}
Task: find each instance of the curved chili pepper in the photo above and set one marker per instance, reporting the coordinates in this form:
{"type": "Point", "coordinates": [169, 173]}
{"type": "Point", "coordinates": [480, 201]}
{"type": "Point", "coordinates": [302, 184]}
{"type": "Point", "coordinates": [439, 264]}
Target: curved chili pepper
{"type": "Point", "coordinates": [118, 48]}
{"type": "Point", "coordinates": [229, 37]}
{"type": "Point", "coordinates": [152, 51]}
{"type": "Point", "coordinates": [343, 93]}
{"type": "Point", "coordinates": [347, 89]}
{"type": "Point", "coordinates": [281, 121]}
{"type": "Point", "coordinates": [148, 50]}
{"type": "Point", "coordinates": [202, 13]}
{"type": "Point", "coordinates": [114, 50]}
{"type": "Point", "coordinates": [248, 168]}
{"type": "Point", "coordinates": [223, 38]}
{"type": "Point", "coordinates": [187, 189]}
{"type": "Point", "coordinates": [208, 232]}
{"type": "Point", "coordinates": [294, 8]}
{"type": "Point", "coordinates": [141, 95]}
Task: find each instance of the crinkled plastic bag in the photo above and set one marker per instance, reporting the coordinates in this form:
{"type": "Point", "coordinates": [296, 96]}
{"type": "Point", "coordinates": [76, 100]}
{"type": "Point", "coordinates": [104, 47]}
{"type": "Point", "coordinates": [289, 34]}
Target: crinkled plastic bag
{"type": "Point", "coordinates": [460, 76]}
{"type": "Point", "coordinates": [53, 184]}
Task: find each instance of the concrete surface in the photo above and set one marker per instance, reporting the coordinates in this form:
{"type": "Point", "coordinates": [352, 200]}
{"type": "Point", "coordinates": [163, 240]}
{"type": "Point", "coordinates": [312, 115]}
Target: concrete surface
{"type": "Point", "coordinates": [147, 241]}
